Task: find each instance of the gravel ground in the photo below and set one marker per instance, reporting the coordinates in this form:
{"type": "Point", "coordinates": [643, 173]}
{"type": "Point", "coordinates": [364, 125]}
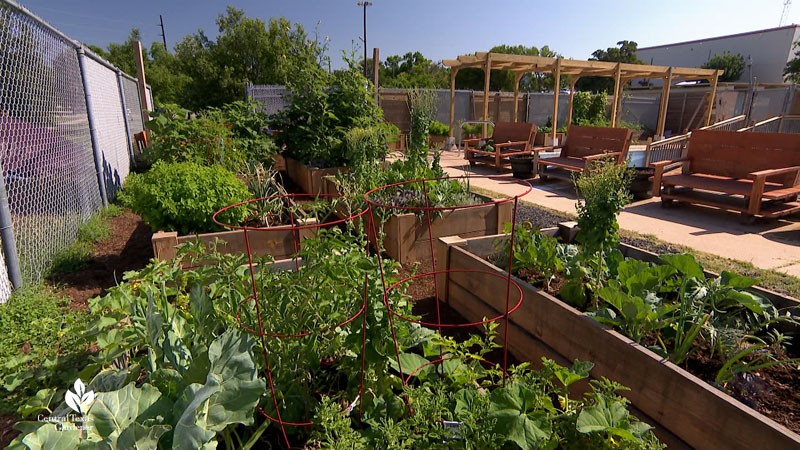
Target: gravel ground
{"type": "Point", "coordinates": [538, 217]}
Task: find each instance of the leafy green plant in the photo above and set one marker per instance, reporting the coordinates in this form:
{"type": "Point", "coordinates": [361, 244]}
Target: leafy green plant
{"type": "Point", "coordinates": [81, 250]}
{"type": "Point", "coordinates": [603, 193]}
{"type": "Point", "coordinates": [322, 108]}
{"type": "Point", "coordinates": [437, 128]}
{"type": "Point", "coordinates": [182, 197]}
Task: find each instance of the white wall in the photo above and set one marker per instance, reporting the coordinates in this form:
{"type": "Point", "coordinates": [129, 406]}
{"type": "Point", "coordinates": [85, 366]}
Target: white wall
{"type": "Point", "coordinates": [769, 50]}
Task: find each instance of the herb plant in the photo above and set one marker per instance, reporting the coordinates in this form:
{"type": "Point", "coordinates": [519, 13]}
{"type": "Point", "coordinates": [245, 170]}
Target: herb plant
{"type": "Point", "coordinates": [182, 197]}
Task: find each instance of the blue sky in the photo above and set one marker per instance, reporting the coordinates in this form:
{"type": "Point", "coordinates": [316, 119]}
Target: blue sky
{"type": "Point", "coordinates": [440, 29]}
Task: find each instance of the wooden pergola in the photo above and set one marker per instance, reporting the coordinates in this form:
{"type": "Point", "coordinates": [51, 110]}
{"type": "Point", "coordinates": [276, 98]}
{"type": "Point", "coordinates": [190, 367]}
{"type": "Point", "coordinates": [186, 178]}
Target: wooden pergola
{"type": "Point", "coordinates": [620, 72]}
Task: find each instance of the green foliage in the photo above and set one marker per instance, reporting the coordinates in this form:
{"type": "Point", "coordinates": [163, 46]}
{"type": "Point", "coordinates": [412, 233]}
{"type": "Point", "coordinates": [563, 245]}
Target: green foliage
{"type": "Point", "coordinates": [411, 70]}
{"type": "Point", "coordinates": [625, 52]}
{"type": "Point", "coordinates": [791, 73]}
{"type": "Point", "coordinates": [423, 105]}
{"type": "Point", "coordinates": [322, 108]}
{"type": "Point", "coordinates": [603, 193]}
{"type": "Point", "coordinates": [476, 128]}
{"type": "Point", "coordinates": [437, 128]}
{"type": "Point", "coordinates": [81, 250]}
{"type": "Point", "coordinates": [40, 353]}
{"type": "Point", "coordinates": [590, 110]}
{"type": "Point", "coordinates": [731, 63]}
{"type": "Point", "coordinates": [182, 197]}
{"type": "Point", "coordinates": [229, 136]}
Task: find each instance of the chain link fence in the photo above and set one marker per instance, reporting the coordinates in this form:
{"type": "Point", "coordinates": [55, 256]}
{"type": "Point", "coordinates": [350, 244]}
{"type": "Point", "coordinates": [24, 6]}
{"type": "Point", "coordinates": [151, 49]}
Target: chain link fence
{"type": "Point", "coordinates": [133, 107]}
{"type": "Point", "coordinates": [47, 151]}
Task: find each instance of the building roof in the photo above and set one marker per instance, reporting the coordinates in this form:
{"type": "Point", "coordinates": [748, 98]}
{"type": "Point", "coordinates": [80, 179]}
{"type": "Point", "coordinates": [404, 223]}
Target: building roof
{"type": "Point", "coordinates": [767, 30]}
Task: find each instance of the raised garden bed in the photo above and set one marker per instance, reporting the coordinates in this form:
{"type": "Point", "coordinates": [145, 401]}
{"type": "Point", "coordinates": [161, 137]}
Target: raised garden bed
{"type": "Point", "coordinates": [280, 244]}
{"type": "Point", "coordinates": [308, 178]}
{"type": "Point", "coordinates": [691, 411]}
{"type": "Point", "coordinates": [407, 238]}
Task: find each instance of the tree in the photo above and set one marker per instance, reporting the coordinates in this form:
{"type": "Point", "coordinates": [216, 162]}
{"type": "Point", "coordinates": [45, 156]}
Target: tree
{"type": "Point", "coordinates": [409, 71]}
{"type": "Point", "coordinates": [503, 80]}
{"type": "Point", "coordinates": [625, 52]}
{"type": "Point", "coordinates": [791, 72]}
{"type": "Point", "coordinates": [732, 64]}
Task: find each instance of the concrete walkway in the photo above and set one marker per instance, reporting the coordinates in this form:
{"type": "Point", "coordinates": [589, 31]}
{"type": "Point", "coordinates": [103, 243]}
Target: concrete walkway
{"type": "Point", "coordinates": [766, 244]}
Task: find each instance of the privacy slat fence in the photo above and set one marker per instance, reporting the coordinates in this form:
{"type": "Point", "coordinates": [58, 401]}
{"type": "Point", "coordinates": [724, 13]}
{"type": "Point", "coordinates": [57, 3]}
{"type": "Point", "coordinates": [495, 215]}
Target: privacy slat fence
{"type": "Point", "coordinates": [56, 152]}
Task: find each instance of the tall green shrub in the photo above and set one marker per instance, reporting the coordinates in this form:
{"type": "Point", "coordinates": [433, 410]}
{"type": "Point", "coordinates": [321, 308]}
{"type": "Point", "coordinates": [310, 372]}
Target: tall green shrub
{"type": "Point", "coordinates": [182, 197]}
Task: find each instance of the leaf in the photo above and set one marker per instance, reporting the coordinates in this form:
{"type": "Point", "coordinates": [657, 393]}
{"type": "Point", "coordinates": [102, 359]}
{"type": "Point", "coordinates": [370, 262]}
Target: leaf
{"type": "Point", "coordinates": [39, 402]}
{"type": "Point", "coordinates": [203, 311]}
{"type": "Point", "coordinates": [115, 411]}
{"type": "Point", "coordinates": [48, 437]}
{"type": "Point", "coordinates": [736, 281]}
{"type": "Point", "coordinates": [686, 264]}
{"type": "Point", "coordinates": [608, 418]}
{"type": "Point", "coordinates": [411, 362]}
{"type": "Point", "coordinates": [138, 436]}
{"type": "Point", "coordinates": [230, 394]}
{"type": "Point", "coordinates": [748, 300]}
{"type": "Point", "coordinates": [574, 293]}
{"type": "Point", "coordinates": [509, 408]}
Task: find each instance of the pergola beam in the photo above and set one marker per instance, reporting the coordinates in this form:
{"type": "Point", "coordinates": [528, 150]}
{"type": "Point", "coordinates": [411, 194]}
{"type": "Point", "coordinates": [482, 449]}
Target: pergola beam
{"type": "Point", "coordinates": [662, 108]}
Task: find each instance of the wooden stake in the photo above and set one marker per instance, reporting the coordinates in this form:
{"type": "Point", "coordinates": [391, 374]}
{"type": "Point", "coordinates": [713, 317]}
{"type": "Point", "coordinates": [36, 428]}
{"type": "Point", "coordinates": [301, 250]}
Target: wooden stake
{"type": "Point", "coordinates": [711, 98]}
{"type": "Point", "coordinates": [571, 97]}
{"type": "Point", "coordinates": [662, 108]}
{"type": "Point", "coordinates": [453, 73]}
{"type": "Point", "coordinates": [487, 70]}
{"type": "Point", "coordinates": [617, 80]}
{"type": "Point", "coordinates": [137, 56]}
{"type": "Point", "coordinates": [556, 88]}
{"type": "Point", "coordinates": [375, 70]}
{"type": "Point", "coordinates": [517, 77]}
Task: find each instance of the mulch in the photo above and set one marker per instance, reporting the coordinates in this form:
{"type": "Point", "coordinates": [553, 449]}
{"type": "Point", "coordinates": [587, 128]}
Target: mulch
{"type": "Point", "coordinates": [127, 248]}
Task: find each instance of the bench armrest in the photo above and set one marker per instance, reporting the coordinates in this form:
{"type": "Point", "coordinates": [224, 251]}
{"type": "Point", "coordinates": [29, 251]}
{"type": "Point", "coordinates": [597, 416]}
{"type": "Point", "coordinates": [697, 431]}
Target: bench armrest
{"type": "Point", "coordinates": [508, 144]}
{"type": "Point", "coordinates": [772, 172]}
{"type": "Point", "coordinates": [661, 167]}
{"type": "Point", "coordinates": [602, 155]}
{"type": "Point", "coordinates": [548, 148]}
{"type": "Point", "coordinates": [472, 140]}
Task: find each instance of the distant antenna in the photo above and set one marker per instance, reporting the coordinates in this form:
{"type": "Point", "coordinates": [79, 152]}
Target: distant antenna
{"type": "Point", "coordinates": [164, 36]}
{"type": "Point", "coordinates": [785, 13]}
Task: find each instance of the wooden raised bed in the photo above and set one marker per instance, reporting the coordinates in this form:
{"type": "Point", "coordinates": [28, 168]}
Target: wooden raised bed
{"type": "Point", "coordinates": [407, 237]}
{"type": "Point", "coordinates": [309, 179]}
{"type": "Point", "coordinates": [277, 243]}
{"type": "Point", "coordinates": [686, 410]}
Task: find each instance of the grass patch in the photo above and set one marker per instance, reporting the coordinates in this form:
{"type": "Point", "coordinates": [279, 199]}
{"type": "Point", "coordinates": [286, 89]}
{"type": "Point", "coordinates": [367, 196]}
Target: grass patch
{"type": "Point", "coordinates": [42, 344]}
{"type": "Point", "coordinates": [81, 251]}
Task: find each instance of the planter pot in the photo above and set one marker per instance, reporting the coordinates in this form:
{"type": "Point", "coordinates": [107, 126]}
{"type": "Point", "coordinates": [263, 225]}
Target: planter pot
{"type": "Point", "coordinates": [548, 139]}
{"type": "Point", "coordinates": [407, 238]}
{"type": "Point", "coordinates": [278, 243]}
{"type": "Point", "coordinates": [686, 410]}
{"type": "Point", "coordinates": [308, 178]}
{"type": "Point", "coordinates": [522, 166]}
{"type": "Point", "coordinates": [436, 142]}
{"type": "Point", "coordinates": [641, 185]}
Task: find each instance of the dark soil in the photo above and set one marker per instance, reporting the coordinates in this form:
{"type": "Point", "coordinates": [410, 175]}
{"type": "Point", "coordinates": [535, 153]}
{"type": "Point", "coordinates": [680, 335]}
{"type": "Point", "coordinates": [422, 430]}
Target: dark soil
{"type": "Point", "coordinates": [773, 391]}
{"type": "Point", "coordinates": [7, 432]}
{"type": "Point", "coordinates": [127, 248]}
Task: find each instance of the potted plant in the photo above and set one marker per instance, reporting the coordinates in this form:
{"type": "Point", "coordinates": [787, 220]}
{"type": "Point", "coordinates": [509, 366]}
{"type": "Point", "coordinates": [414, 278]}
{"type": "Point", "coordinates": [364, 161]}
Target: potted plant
{"type": "Point", "coordinates": [437, 134]}
{"type": "Point", "coordinates": [522, 166]}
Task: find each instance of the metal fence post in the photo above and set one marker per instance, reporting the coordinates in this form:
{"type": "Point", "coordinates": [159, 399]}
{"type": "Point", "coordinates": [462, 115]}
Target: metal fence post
{"type": "Point", "coordinates": [7, 234]}
{"type": "Point", "coordinates": [98, 160]}
{"type": "Point", "coordinates": [125, 117]}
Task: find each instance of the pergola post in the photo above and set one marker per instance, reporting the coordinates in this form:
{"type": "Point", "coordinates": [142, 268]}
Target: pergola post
{"type": "Point", "coordinates": [662, 108]}
{"type": "Point", "coordinates": [711, 97]}
{"type": "Point", "coordinates": [619, 99]}
{"type": "Point", "coordinates": [517, 77]}
{"type": "Point", "coordinates": [556, 88]}
{"type": "Point", "coordinates": [453, 73]}
{"type": "Point", "coordinates": [487, 71]}
{"type": "Point", "coordinates": [571, 97]}
{"type": "Point", "coordinates": [617, 80]}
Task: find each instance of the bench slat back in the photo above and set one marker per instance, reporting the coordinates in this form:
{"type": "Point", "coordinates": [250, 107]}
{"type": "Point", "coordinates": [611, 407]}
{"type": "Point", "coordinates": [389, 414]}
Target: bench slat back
{"type": "Point", "coordinates": [587, 141]}
{"type": "Point", "coordinates": [732, 154]}
{"type": "Point", "coordinates": [513, 132]}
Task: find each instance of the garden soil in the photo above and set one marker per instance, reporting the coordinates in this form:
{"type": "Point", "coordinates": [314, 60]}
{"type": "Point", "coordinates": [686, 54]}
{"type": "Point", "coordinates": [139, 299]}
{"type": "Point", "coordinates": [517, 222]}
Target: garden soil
{"type": "Point", "coordinates": [127, 248]}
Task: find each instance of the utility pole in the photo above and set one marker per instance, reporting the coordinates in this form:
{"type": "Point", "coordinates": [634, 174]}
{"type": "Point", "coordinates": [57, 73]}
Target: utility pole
{"type": "Point", "coordinates": [365, 4]}
{"type": "Point", "coordinates": [163, 36]}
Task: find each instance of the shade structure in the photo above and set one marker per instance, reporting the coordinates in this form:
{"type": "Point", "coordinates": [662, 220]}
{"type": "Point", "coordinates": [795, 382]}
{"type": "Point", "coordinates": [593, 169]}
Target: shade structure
{"type": "Point", "coordinates": [560, 67]}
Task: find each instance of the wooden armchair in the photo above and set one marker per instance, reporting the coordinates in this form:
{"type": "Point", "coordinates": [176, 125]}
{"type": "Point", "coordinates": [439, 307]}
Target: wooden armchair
{"type": "Point", "coordinates": [583, 145]}
{"type": "Point", "coordinates": [755, 174]}
{"type": "Point", "coordinates": [510, 139]}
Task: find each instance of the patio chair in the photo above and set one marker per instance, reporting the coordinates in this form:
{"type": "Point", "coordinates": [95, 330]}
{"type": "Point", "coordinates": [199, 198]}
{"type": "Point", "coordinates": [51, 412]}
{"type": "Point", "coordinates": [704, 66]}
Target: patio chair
{"type": "Point", "coordinates": [509, 139]}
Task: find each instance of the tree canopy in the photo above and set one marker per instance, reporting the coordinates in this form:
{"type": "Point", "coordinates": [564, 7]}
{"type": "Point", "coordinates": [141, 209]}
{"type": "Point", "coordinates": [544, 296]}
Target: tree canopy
{"type": "Point", "coordinates": [732, 64]}
{"type": "Point", "coordinates": [203, 73]}
{"type": "Point", "coordinates": [624, 52]}
{"type": "Point", "coordinates": [503, 80]}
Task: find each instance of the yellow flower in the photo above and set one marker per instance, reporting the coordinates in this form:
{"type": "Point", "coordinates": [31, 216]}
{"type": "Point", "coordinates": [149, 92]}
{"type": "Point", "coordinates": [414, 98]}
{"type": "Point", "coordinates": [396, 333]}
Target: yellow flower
{"type": "Point", "coordinates": [287, 27]}
{"type": "Point", "coordinates": [327, 38]}
{"type": "Point", "coordinates": [284, 56]}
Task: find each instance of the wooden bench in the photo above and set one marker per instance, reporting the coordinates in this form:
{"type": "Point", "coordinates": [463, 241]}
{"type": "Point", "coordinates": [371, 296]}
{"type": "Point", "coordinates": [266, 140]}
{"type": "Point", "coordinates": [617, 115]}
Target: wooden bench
{"type": "Point", "coordinates": [752, 173]}
{"type": "Point", "coordinates": [585, 144]}
{"type": "Point", "coordinates": [510, 139]}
